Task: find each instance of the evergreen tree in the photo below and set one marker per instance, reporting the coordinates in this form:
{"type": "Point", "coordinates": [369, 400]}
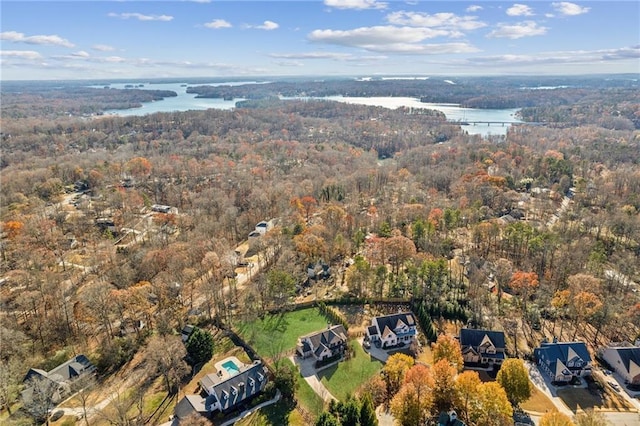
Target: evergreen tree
{"type": "Point", "coordinates": [367, 412]}
{"type": "Point", "coordinates": [199, 346]}
{"type": "Point", "coordinates": [327, 419]}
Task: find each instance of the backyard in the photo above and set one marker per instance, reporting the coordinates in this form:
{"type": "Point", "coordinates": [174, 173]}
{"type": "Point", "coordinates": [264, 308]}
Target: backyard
{"type": "Point", "coordinates": [278, 333]}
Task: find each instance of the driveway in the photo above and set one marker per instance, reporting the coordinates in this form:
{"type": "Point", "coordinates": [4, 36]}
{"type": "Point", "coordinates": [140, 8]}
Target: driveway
{"type": "Point", "coordinates": [308, 372]}
{"type": "Point", "coordinates": [544, 385]}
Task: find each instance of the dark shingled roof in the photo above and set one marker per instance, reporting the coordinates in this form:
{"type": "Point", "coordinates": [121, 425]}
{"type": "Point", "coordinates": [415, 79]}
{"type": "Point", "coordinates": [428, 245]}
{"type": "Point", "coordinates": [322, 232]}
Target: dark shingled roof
{"type": "Point", "coordinates": [627, 355]}
{"type": "Point", "coordinates": [75, 367]}
{"type": "Point", "coordinates": [250, 381]}
{"type": "Point", "coordinates": [395, 321]}
{"type": "Point", "coordinates": [331, 336]}
{"type": "Point", "coordinates": [472, 337]}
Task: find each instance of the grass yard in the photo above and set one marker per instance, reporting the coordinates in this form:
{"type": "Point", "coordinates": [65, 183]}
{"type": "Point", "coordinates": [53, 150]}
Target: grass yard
{"type": "Point", "coordinates": [582, 399]}
{"type": "Point", "coordinates": [278, 333]}
{"type": "Point", "coordinates": [538, 402]}
{"type": "Point", "coordinates": [347, 376]}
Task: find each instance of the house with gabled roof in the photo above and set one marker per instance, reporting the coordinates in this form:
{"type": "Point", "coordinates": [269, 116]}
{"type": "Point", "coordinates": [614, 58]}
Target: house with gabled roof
{"type": "Point", "coordinates": [482, 347]}
{"type": "Point", "coordinates": [62, 376]}
{"type": "Point", "coordinates": [323, 344]}
{"type": "Point", "coordinates": [625, 360]}
{"type": "Point", "coordinates": [224, 391]}
{"type": "Point", "coordinates": [390, 330]}
{"type": "Point", "coordinates": [562, 361]}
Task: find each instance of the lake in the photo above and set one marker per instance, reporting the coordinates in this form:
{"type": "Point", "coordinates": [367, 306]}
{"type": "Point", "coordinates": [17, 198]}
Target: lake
{"type": "Point", "coordinates": [452, 111]}
{"type": "Point", "coordinates": [183, 102]}
{"type": "Point", "coordinates": [188, 101]}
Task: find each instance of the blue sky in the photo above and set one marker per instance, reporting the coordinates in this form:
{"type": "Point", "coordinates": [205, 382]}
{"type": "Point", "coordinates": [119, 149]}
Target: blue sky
{"type": "Point", "coordinates": [153, 39]}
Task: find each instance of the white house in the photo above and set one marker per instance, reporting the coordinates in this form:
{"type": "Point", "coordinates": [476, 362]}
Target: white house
{"type": "Point", "coordinates": [625, 360]}
{"type": "Point", "coordinates": [562, 361]}
{"type": "Point", "coordinates": [222, 392]}
{"type": "Point", "coordinates": [391, 330]}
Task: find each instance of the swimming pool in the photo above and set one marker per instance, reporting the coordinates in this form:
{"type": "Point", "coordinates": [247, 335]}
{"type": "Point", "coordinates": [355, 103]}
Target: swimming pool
{"type": "Point", "coordinates": [231, 367]}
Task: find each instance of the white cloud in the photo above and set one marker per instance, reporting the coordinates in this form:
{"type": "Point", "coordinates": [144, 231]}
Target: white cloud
{"type": "Point", "coordinates": [444, 20]}
{"type": "Point", "coordinates": [311, 55]}
{"type": "Point", "coordinates": [266, 25]}
{"type": "Point", "coordinates": [569, 9]}
{"type": "Point", "coordinates": [53, 40]}
{"type": "Point", "coordinates": [218, 23]}
{"type": "Point", "coordinates": [141, 17]}
{"type": "Point", "coordinates": [21, 54]}
{"type": "Point", "coordinates": [473, 8]}
{"type": "Point", "coordinates": [356, 4]}
{"type": "Point", "coordinates": [80, 54]}
{"type": "Point", "coordinates": [391, 39]}
{"type": "Point", "coordinates": [103, 48]}
{"type": "Point", "coordinates": [112, 59]}
{"type": "Point", "coordinates": [522, 29]}
{"type": "Point", "coordinates": [519, 10]}
{"type": "Point", "coordinates": [561, 57]}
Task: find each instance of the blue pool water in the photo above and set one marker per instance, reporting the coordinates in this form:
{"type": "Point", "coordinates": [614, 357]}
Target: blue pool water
{"type": "Point", "coordinates": [231, 368]}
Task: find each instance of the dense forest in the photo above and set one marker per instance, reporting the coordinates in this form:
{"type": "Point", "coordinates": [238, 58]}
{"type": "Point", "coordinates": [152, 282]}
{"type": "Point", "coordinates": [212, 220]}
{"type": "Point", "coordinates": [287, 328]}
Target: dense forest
{"type": "Point", "coordinates": [536, 233]}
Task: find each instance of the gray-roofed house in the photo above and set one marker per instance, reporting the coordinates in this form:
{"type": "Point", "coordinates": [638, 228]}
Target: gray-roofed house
{"type": "Point", "coordinates": [63, 376]}
{"type": "Point", "coordinates": [562, 361]}
{"type": "Point", "coordinates": [323, 344]}
{"type": "Point", "coordinates": [625, 360]}
{"type": "Point", "coordinates": [223, 392]}
{"type": "Point", "coordinates": [482, 347]}
{"type": "Point", "coordinates": [449, 419]}
{"type": "Point", "coordinates": [391, 330]}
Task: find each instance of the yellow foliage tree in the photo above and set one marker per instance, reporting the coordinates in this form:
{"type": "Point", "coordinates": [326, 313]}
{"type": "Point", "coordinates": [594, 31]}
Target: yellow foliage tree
{"type": "Point", "coordinates": [556, 418]}
{"type": "Point", "coordinates": [447, 347]}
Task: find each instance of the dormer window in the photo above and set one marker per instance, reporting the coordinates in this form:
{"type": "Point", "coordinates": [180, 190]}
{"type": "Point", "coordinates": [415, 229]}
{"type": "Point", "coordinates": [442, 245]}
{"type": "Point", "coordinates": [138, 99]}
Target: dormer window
{"type": "Point", "coordinates": [234, 391]}
{"type": "Point", "coordinates": [260, 377]}
{"type": "Point", "coordinates": [252, 382]}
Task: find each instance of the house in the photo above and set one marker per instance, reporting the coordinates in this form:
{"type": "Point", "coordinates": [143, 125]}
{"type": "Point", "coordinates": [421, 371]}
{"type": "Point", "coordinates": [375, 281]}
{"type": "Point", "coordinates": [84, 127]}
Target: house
{"type": "Point", "coordinates": [224, 390]}
{"type": "Point", "coordinates": [318, 270]}
{"type": "Point", "coordinates": [62, 376]}
{"type": "Point", "coordinates": [186, 332]}
{"type": "Point", "coordinates": [391, 330]}
{"type": "Point", "coordinates": [160, 208]}
{"type": "Point", "coordinates": [482, 347]}
{"type": "Point", "coordinates": [449, 419]}
{"type": "Point", "coordinates": [323, 344]}
{"type": "Point", "coordinates": [562, 361]}
{"type": "Point", "coordinates": [264, 226]}
{"type": "Point", "coordinates": [625, 360]}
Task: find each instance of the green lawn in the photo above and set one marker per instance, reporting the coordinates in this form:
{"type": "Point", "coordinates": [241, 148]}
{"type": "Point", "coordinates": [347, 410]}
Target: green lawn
{"type": "Point", "coordinates": [277, 333]}
{"type": "Point", "coordinates": [347, 376]}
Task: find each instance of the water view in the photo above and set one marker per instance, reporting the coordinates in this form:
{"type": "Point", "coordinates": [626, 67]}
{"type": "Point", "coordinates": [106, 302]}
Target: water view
{"type": "Point", "coordinates": [188, 101]}
{"type": "Point", "coordinates": [183, 102]}
{"type": "Point", "coordinates": [453, 112]}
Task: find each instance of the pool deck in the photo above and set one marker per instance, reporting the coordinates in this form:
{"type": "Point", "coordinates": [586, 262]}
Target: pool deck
{"type": "Point", "coordinates": [221, 373]}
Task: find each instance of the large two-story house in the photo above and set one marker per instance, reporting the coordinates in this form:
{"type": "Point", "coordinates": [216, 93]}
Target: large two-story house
{"type": "Point", "coordinates": [390, 330]}
{"type": "Point", "coordinates": [482, 347]}
{"type": "Point", "coordinates": [323, 344]}
{"type": "Point", "coordinates": [625, 360]}
{"type": "Point", "coordinates": [224, 391]}
{"type": "Point", "coordinates": [562, 361]}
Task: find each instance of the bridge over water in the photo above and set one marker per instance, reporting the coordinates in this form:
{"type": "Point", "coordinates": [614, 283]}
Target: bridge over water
{"type": "Point", "coordinates": [489, 123]}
